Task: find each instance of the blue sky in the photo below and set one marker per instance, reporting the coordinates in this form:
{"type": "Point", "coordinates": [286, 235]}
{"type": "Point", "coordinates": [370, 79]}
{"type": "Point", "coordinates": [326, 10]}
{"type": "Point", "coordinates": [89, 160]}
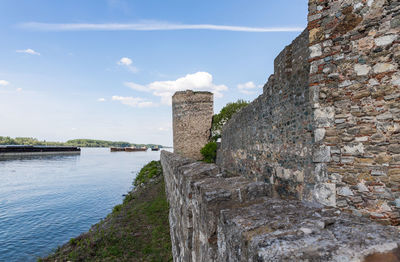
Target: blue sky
{"type": "Point", "coordinates": [105, 69]}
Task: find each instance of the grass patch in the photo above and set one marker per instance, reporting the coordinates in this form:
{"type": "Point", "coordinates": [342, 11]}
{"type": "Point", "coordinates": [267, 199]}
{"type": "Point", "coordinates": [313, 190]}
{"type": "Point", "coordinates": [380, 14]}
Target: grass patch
{"type": "Point", "coordinates": [136, 230]}
{"type": "Point", "coordinates": [148, 172]}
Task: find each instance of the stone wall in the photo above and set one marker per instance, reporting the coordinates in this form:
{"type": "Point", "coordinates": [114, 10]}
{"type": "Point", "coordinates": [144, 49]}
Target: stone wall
{"type": "Point", "coordinates": [271, 139]}
{"type": "Point", "coordinates": [217, 217]}
{"type": "Point", "coordinates": [355, 79]}
{"type": "Point", "coordinates": [326, 130]}
{"type": "Point", "coordinates": [327, 127]}
{"type": "Point", "coordinates": [191, 116]}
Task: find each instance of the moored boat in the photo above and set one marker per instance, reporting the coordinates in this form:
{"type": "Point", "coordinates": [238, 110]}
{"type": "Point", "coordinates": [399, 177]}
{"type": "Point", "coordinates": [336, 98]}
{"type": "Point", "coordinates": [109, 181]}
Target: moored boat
{"type": "Point", "coordinates": [135, 149]}
{"type": "Point", "coordinates": [24, 150]}
{"type": "Point", "coordinates": [117, 149]}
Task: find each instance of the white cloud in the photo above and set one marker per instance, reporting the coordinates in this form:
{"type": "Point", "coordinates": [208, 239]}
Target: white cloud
{"type": "Point", "coordinates": [248, 88]}
{"type": "Point", "coordinates": [133, 101]}
{"type": "Point", "coordinates": [28, 51]}
{"type": "Point", "coordinates": [127, 62]}
{"type": "Point", "coordinates": [200, 81]}
{"type": "Point", "coordinates": [19, 89]}
{"type": "Point", "coordinates": [152, 26]}
{"type": "Point", "coordinates": [137, 87]}
{"type": "Point", "coordinates": [101, 99]}
{"type": "Point", "coordinates": [4, 83]}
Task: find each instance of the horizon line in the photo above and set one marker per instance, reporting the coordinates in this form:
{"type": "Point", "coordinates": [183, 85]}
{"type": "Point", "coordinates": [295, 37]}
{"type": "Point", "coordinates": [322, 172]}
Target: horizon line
{"type": "Point", "coordinates": [150, 26]}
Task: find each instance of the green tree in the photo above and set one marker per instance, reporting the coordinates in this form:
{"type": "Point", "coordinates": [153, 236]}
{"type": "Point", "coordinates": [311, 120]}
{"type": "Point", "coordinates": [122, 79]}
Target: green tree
{"type": "Point", "coordinates": [209, 151]}
{"type": "Point", "coordinates": [223, 116]}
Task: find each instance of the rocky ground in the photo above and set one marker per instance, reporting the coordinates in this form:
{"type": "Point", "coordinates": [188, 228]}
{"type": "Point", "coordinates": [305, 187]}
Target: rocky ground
{"type": "Point", "coordinates": [136, 230]}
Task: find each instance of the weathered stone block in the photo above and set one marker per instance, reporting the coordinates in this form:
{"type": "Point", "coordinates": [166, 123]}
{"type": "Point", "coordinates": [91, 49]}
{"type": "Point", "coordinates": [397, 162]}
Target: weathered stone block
{"type": "Point", "coordinates": [325, 193]}
{"type": "Point", "coordinates": [362, 70]}
{"type": "Point", "coordinates": [315, 50]}
{"type": "Point", "coordinates": [394, 149]}
{"type": "Point", "coordinates": [385, 40]}
{"type": "Point", "coordinates": [383, 67]}
{"type": "Point", "coordinates": [322, 154]}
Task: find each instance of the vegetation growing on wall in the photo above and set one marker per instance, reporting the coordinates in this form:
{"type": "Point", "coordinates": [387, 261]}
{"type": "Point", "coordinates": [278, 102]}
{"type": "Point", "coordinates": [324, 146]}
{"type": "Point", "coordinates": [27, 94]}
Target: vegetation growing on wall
{"type": "Point", "coordinates": [136, 230]}
{"type": "Point", "coordinates": [209, 151]}
{"type": "Point", "coordinates": [223, 116]}
{"type": "Point", "coordinates": [75, 142]}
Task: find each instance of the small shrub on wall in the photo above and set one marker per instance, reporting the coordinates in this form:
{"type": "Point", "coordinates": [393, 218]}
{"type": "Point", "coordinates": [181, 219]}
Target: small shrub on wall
{"type": "Point", "coordinates": [209, 152]}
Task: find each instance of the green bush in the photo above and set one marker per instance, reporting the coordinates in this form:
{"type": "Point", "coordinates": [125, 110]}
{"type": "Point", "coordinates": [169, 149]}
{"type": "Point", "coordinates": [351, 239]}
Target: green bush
{"type": "Point", "coordinates": [209, 152]}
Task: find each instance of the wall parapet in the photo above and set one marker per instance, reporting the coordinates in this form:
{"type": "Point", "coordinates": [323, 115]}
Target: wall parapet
{"type": "Point", "coordinates": [216, 217]}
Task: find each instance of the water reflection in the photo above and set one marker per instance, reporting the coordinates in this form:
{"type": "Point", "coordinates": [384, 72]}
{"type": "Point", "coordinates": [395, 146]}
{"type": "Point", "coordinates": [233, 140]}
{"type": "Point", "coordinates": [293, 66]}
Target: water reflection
{"type": "Point", "coordinates": [54, 157]}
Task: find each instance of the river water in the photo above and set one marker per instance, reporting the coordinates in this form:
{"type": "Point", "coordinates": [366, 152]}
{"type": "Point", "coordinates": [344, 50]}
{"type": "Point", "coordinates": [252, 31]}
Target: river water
{"type": "Point", "coordinates": [45, 201]}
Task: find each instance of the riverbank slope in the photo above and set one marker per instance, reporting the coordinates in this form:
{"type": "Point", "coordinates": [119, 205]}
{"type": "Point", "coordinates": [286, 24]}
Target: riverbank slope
{"type": "Point", "coordinates": [136, 230]}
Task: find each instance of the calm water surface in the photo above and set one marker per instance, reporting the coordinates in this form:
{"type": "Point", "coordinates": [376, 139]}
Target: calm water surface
{"type": "Point", "coordinates": [45, 201]}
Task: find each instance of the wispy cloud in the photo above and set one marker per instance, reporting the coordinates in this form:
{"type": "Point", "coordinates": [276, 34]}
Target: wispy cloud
{"type": "Point", "coordinates": [127, 62]}
{"type": "Point", "coordinates": [248, 88]}
{"type": "Point", "coordinates": [137, 87]}
{"type": "Point", "coordinates": [28, 51]}
{"type": "Point", "coordinates": [165, 89]}
{"type": "Point", "coordinates": [101, 99]}
{"type": "Point", "coordinates": [4, 83]}
{"type": "Point", "coordinates": [133, 101]}
{"type": "Point", "coordinates": [151, 26]}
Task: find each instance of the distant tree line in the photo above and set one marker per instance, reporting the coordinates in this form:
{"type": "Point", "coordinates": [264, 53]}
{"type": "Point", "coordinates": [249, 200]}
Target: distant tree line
{"type": "Point", "coordinates": [5, 140]}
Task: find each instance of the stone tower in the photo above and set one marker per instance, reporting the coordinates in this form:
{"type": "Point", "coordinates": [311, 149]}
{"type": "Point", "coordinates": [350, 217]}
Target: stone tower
{"type": "Point", "coordinates": [192, 117]}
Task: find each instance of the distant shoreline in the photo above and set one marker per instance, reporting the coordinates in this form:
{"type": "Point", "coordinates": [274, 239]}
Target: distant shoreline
{"type": "Point", "coordinates": [30, 141]}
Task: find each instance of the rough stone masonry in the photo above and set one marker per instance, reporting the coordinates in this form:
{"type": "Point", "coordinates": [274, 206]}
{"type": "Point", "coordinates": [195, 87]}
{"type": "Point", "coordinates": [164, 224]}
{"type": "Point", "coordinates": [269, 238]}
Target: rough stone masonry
{"type": "Point", "coordinates": [305, 167]}
{"type": "Point", "coordinates": [327, 127]}
{"type": "Point", "coordinates": [218, 217]}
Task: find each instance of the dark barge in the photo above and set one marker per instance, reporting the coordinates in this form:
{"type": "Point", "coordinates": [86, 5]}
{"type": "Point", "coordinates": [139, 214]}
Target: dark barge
{"type": "Point", "coordinates": [135, 149]}
{"type": "Point", "coordinates": [16, 150]}
{"type": "Point", "coordinates": [117, 149]}
{"type": "Point", "coordinates": [128, 149]}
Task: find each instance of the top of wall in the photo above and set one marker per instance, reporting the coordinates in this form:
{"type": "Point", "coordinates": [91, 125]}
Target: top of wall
{"type": "Point", "coordinates": [292, 59]}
